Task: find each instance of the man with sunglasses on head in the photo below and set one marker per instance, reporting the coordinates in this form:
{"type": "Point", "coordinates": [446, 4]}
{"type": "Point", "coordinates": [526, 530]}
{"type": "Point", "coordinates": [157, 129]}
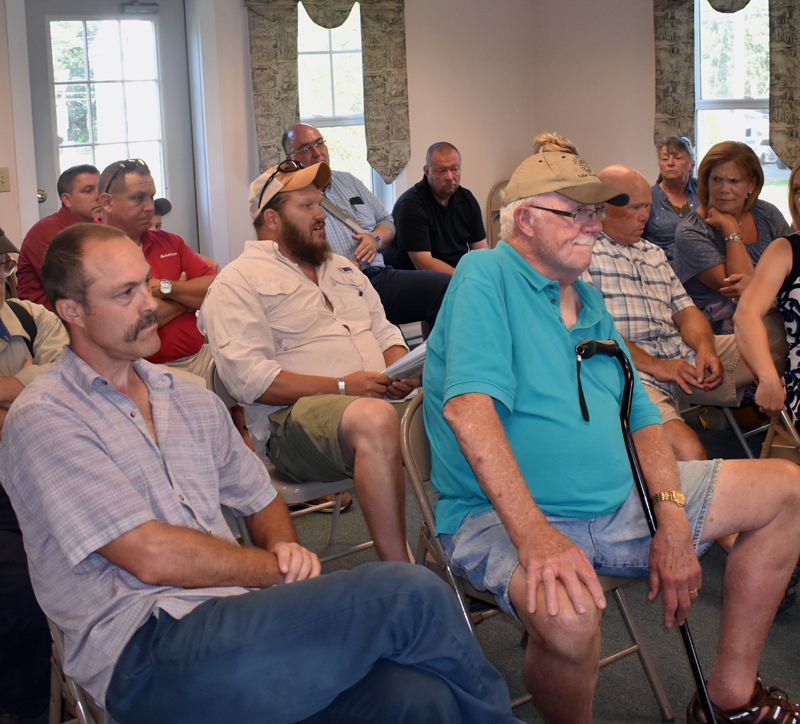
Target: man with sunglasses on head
{"type": "Point", "coordinates": [536, 492]}
{"type": "Point", "coordinates": [300, 340]}
{"type": "Point", "coordinates": [31, 340]}
{"type": "Point", "coordinates": [179, 277]}
{"type": "Point", "coordinates": [407, 296]}
{"type": "Point", "coordinates": [77, 189]}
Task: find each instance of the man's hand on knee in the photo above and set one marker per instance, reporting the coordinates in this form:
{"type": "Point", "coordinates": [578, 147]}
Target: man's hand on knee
{"type": "Point", "coordinates": [295, 562]}
{"type": "Point", "coordinates": [548, 556]}
{"type": "Point", "coordinates": [674, 568]}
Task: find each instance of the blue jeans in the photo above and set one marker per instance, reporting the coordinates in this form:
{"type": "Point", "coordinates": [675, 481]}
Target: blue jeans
{"type": "Point", "coordinates": [409, 296]}
{"type": "Point", "coordinates": [384, 642]}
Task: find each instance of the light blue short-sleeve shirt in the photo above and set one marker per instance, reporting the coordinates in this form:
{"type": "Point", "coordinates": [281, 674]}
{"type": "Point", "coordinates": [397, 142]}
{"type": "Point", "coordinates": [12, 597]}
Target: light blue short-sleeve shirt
{"type": "Point", "coordinates": [500, 333]}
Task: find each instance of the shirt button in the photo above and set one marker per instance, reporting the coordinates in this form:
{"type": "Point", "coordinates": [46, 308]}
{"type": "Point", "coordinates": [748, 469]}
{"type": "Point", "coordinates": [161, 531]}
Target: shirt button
{"type": "Point", "coordinates": [105, 382]}
{"type": "Point", "coordinates": [552, 301]}
{"type": "Point", "coordinates": [552, 286]}
{"type": "Point", "coordinates": [133, 414]}
{"type": "Point", "coordinates": [181, 496]}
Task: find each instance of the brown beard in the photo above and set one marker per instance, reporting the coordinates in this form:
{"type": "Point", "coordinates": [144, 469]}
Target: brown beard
{"type": "Point", "coordinates": [300, 244]}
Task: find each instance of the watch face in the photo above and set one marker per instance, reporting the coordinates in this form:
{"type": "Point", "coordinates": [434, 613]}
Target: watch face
{"type": "Point", "coordinates": [166, 286]}
{"type": "Point", "coordinates": [680, 498]}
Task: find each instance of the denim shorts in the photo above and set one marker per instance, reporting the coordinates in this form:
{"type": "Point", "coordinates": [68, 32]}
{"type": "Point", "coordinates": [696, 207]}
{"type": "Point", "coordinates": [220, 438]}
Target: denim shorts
{"type": "Point", "coordinates": [616, 544]}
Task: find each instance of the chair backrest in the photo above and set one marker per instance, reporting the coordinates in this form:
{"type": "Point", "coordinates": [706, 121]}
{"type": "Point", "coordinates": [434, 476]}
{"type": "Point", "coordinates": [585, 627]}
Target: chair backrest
{"type": "Point", "coordinates": [218, 386]}
{"type": "Point", "coordinates": [416, 451]}
{"type": "Point", "coordinates": [493, 206]}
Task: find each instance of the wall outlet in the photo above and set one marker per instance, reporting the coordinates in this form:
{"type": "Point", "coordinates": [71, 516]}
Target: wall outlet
{"type": "Point", "coordinates": [5, 179]}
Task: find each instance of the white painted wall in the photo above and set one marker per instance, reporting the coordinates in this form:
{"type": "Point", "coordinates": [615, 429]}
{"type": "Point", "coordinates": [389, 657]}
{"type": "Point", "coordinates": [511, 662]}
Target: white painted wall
{"type": "Point", "coordinates": [487, 76]}
{"type": "Point", "coordinates": [594, 71]}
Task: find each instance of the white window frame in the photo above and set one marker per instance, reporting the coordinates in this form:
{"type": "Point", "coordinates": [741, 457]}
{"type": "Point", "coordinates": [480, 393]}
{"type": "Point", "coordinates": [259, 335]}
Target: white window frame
{"type": "Point", "coordinates": [162, 182]}
{"type": "Point", "coordinates": [715, 104]}
{"type": "Point", "coordinates": [385, 193]}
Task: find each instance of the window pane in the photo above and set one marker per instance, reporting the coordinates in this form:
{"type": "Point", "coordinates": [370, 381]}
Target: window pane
{"type": "Point", "coordinates": [751, 127]}
{"type": "Point", "coordinates": [310, 36]}
{"type": "Point", "coordinates": [735, 51]}
{"type": "Point", "coordinates": [74, 156]}
{"type": "Point", "coordinates": [348, 84]}
{"type": "Point", "coordinates": [102, 40]}
{"type": "Point", "coordinates": [107, 108]}
{"type": "Point", "coordinates": [141, 101]}
{"type": "Point", "coordinates": [150, 153]}
{"type": "Point", "coordinates": [109, 153]}
{"type": "Point", "coordinates": [347, 146]}
{"type": "Point", "coordinates": [72, 123]}
{"type": "Point", "coordinates": [138, 49]}
{"type": "Point", "coordinates": [314, 85]}
{"type": "Point", "coordinates": [348, 35]}
{"type": "Point", "coordinates": [66, 42]}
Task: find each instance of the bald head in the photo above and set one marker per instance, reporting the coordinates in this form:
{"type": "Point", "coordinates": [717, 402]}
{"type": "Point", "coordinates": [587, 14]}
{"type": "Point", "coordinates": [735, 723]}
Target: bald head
{"type": "Point", "coordinates": [625, 224]}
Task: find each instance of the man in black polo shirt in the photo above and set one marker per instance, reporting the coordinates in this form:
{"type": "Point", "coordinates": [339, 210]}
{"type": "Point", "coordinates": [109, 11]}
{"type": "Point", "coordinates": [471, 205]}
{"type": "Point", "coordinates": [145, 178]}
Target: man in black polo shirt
{"type": "Point", "coordinates": [437, 220]}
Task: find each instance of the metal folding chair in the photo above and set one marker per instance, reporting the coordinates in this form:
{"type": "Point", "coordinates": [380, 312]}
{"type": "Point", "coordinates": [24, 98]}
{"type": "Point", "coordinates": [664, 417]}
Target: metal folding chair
{"type": "Point", "coordinates": [417, 458]}
{"type": "Point", "coordinates": [65, 692]}
{"type": "Point", "coordinates": [292, 491]}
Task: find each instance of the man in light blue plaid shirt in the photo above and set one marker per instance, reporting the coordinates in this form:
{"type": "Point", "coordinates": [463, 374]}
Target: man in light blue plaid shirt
{"type": "Point", "coordinates": [165, 618]}
{"type": "Point", "coordinates": [670, 341]}
{"type": "Point", "coordinates": [407, 296]}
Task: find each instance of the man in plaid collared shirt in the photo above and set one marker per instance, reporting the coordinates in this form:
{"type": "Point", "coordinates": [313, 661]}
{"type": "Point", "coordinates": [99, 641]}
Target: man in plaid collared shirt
{"type": "Point", "coordinates": [671, 343]}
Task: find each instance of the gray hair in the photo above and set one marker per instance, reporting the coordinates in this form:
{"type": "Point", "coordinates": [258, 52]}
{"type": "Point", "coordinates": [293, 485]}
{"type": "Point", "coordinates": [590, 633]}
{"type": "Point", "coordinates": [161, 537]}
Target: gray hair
{"type": "Point", "coordinates": [508, 224]}
{"type": "Point", "coordinates": [676, 143]}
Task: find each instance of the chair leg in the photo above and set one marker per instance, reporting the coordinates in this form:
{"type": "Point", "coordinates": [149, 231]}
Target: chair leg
{"type": "Point", "coordinates": [56, 699]}
{"type": "Point", "coordinates": [337, 508]}
{"type": "Point", "coordinates": [737, 431]}
{"type": "Point", "coordinates": [667, 712]}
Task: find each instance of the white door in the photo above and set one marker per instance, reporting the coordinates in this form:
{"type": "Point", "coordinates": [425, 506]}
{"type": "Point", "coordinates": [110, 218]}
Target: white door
{"type": "Point", "coordinates": [107, 85]}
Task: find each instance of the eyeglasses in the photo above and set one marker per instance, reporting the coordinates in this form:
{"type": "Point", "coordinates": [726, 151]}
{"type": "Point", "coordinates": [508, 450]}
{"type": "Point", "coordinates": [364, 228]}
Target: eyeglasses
{"type": "Point", "coordinates": [287, 166]}
{"type": "Point", "coordinates": [319, 143]}
{"type": "Point", "coordinates": [9, 265]}
{"type": "Point", "coordinates": [582, 215]}
{"type": "Point", "coordinates": [127, 165]}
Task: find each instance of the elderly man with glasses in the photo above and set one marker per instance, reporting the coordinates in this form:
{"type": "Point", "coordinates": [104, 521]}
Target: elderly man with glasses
{"type": "Point", "coordinates": [179, 277]}
{"type": "Point", "coordinates": [536, 492]}
{"type": "Point", "coordinates": [301, 340]}
{"type": "Point", "coordinates": [359, 228]}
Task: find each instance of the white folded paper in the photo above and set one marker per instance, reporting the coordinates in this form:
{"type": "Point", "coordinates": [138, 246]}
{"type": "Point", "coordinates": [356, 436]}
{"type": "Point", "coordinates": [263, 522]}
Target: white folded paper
{"type": "Point", "coordinates": [409, 366]}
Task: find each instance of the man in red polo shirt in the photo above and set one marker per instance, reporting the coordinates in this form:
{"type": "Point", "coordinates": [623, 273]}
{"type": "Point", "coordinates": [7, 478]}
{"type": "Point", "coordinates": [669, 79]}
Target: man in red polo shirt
{"type": "Point", "coordinates": [179, 278]}
{"type": "Point", "coordinates": [77, 188]}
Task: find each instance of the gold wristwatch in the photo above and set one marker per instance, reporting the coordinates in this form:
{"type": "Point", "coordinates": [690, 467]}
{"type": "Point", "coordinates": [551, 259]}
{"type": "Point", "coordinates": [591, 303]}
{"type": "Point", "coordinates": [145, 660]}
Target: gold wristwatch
{"type": "Point", "coordinates": [674, 496]}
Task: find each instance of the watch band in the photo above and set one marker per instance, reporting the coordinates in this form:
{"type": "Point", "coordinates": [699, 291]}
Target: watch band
{"type": "Point", "coordinates": [734, 237]}
{"type": "Point", "coordinates": [340, 380]}
{"type": "Point", "coordinates": [671, 496]}
{"type": "Point", "coordinates": [378, 239]}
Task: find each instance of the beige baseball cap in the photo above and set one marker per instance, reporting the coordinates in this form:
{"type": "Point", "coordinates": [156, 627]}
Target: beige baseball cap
{"type": "Point", "coordinates": [563, 173]}
{"type": "Point", "coordinates": [273, 181]}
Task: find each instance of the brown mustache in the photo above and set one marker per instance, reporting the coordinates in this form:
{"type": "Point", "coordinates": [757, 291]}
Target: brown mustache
{"type": "Point", "coordinates": [148, 318]}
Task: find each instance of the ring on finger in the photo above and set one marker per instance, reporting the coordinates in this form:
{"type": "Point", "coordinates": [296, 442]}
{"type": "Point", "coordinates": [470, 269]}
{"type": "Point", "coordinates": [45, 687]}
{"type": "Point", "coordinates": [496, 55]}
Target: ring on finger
{"type": "Point", "coordinates": [694, 592]}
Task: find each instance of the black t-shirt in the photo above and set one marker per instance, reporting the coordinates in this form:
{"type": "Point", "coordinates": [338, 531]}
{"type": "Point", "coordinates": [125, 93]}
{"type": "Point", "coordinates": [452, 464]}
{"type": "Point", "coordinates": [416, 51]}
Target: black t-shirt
{"type": "Point", "coordinates": [423, 224]}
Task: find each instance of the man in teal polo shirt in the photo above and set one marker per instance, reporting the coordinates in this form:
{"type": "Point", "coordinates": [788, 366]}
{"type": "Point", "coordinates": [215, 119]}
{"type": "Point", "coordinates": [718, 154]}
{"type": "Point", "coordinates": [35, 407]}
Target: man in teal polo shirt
{"type": "Point", "coordinates": [536, 497]}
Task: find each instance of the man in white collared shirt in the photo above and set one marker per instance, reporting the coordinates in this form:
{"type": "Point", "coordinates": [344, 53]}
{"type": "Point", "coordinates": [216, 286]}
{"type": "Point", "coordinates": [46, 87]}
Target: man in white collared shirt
{"type": "Point", "coordinates": [299, 337]}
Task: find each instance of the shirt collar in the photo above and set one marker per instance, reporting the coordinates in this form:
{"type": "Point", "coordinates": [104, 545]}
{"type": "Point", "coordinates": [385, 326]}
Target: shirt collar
{"type": "Point", "coordinates": [83, 376]}
{"type": "Point", "coordinates": [12, 323]}
{"type": "Point", "coordinates": [592, 304]}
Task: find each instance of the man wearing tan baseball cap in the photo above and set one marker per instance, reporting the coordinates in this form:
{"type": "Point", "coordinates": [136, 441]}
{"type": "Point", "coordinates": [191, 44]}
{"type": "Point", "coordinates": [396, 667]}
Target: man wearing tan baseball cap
{"type": "Point", "coordinates": [300, 339]}
{"type": "Point", "coordinates": [536, 494]}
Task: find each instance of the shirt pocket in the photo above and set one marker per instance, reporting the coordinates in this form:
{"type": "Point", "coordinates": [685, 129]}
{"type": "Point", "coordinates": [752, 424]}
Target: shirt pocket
{"type": "Point", "coordinates": [350, 307]}
{"type": "Point", "coordinates": [289, 311]}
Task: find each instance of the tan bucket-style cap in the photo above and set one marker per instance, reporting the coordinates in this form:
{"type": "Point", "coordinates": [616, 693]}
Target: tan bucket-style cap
{"type": "Point", "coordinates": [563, 173]}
